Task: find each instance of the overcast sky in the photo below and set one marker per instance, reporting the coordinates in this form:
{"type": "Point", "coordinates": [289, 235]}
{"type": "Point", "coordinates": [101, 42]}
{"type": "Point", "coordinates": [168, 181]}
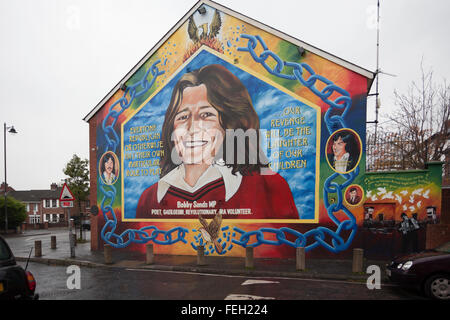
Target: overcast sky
{"type": "Point", "coordinates": [59, 58]}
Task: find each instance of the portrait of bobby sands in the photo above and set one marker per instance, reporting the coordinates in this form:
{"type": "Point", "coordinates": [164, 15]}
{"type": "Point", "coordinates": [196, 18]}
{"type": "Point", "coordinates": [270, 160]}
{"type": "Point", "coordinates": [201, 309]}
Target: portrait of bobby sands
{"type": "Point", "coordinates": [199, 165]}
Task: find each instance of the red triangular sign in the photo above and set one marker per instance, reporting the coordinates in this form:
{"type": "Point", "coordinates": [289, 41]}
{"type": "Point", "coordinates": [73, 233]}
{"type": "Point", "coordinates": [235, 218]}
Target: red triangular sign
{"type": "Point", "coordinates": [66, 195]}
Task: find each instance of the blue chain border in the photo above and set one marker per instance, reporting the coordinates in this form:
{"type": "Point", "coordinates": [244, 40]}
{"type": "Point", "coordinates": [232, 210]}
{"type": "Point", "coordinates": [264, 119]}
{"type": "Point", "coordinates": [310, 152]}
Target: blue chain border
{"type": "Point", "coordinates": [333, 122]}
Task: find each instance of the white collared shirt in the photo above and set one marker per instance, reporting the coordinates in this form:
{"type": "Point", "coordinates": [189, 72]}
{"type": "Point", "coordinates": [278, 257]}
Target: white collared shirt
{"type": "Point", "coordinates": [215, 171]}
{"type": "Point", "coordinates": [341, 165]}
{"type": "Point", "coordinates": [111, 178]}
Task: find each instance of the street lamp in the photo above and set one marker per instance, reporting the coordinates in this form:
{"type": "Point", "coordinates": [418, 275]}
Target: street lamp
{"type": "Point", "coordinates": [10, 130]}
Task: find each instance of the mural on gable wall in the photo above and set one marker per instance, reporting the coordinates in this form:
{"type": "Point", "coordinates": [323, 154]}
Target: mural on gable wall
{"type": "Point", "coordinates": [415, 194]}
{"type": "Point", "coordinates": [227, 137]}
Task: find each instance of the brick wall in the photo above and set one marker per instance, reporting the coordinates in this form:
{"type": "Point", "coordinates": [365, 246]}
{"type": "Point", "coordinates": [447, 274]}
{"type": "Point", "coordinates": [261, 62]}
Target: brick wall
{"type": "Point", "coordinates": [93, 180]}
{"type": "Point", "coordinates": [437, 234]}
{"type": "Point", "coordinates": [33, 208]}
{"type": "Point", "coordinates": [74, 211]}
{"type": "Point", "coordinates": [445, 214]}
{"type": "Point", "coordinates": [57, 210]}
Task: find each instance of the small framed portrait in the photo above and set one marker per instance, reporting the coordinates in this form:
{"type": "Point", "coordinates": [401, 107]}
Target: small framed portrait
{"type": "Point", "coordinates": [354, 195]}
{"type": "Point", "coordinates": [344, 150]}
{"type": "Point", "coordinates": [109, 168]}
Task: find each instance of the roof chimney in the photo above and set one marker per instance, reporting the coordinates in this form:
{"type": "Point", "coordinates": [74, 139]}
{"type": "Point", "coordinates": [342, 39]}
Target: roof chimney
{"type": "Point", "coordinates": [8, 188]}
{"type": "Point", "coordinates": [53, 186]}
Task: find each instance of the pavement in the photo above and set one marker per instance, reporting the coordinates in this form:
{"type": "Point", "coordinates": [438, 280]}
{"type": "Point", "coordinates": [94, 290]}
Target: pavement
{"type": "Point", "coordinates": [329, 269]}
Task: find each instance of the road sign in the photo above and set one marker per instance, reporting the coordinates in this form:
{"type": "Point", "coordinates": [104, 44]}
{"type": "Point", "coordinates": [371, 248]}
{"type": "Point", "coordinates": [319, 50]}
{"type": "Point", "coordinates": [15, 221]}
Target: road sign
{"type": "Point", "coordinates": [66, 195]}
{"type": "Point", "coordinates": [66, 204]}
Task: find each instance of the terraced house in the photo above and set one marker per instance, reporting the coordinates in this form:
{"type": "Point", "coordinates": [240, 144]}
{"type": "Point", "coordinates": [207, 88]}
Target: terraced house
{"type": "Point", "coordinates": [43, 207]}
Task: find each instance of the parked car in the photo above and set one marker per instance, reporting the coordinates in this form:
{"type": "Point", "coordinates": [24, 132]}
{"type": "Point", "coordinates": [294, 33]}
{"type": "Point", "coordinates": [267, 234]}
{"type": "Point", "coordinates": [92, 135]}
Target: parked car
{"type": "Point", "coordinates": [428, 271]}
{"type": "Point", "coordinates": [86, 225]}
{"type": "Point", "coordinates": [15, 282]}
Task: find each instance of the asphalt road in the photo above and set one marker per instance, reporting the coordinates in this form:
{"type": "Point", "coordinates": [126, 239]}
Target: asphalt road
{"type": "Point", "coordinates": [141, 284]}
{"type": "Point", "coordinates": [21, 245]}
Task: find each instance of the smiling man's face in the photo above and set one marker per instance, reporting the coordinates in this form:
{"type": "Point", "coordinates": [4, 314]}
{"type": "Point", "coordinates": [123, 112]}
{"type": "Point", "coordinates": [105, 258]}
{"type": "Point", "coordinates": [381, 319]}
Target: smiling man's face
{"type": "Point", "coordinates": [339, 148]}
{"type": "Point", "coordinates": [109, 166]}
{"type": "Point", "coordinates": [197, 131]}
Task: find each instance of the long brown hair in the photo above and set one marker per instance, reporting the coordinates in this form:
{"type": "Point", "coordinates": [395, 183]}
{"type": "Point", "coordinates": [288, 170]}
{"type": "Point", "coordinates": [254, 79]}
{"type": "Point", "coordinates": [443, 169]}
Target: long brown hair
{"type": "Point", "coordinates": [227, 94]}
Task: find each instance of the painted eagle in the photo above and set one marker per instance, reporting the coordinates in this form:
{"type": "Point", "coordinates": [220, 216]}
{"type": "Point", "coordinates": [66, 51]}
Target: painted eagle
{"type": "Point", "coordinates": [214, 28]}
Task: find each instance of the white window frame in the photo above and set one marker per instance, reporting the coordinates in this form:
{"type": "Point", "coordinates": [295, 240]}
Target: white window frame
{"type": "Point", "coordinates": [45, 203]}
{"type": "Point", "coordinates": [35, 219]}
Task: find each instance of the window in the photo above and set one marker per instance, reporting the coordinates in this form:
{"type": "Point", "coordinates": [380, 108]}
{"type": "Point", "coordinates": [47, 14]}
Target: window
{"type": "Point", "coordinates": [54, 203]}
{"type": "Point", "coordinates": [35, 219]}
{"type": "Point", "coordinates": [5, 253]}
{"type": "Point", "coordinates": [47, 203]}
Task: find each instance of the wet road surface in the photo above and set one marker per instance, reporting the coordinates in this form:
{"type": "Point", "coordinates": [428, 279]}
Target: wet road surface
{"type": "Point", "coordinates": [141, 284]}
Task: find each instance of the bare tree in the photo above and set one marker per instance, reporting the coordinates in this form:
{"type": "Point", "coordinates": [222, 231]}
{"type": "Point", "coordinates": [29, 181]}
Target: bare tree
{"type": "Point", "coordinates": [385, 151]}
{"type": "Point", "coordinates": [423, 121]}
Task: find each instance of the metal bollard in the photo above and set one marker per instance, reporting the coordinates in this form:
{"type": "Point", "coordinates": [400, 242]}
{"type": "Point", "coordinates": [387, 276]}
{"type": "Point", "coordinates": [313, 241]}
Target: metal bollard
{"type": "Point", "coordinates": [71, 239]}
{"type": "Point", "coordinates": [107, 251]}
{"type": "Point", "coordinates": [53, 242]}
{"type": "Point", "coordinates": [74, 235]}
{"type": "Point", "coordinates": [300, 259]}
{"type": "Point", "coordinates": [149, 254]}
{"type": "Point", "coordinates": [72, 245]}
{"type": "Point", "coordinates": [249, 262]}
{"type": "Point", "coordinates": [358, 255]}
{"type": "Point", "coordinates": [201, 256]}
{"type": "Point", "coordinates": [38, 248]}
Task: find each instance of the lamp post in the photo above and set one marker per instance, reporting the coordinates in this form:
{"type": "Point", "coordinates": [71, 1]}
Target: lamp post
{"type": "Point", "coordinates": [10, 130]}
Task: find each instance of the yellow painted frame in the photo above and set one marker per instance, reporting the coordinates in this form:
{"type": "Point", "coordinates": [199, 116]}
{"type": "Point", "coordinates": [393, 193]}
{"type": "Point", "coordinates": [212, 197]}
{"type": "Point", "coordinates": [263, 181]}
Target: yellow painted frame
{"type": "Point", "coordinates": [363, 197]}
{"type": "Point", "coordinates": [360, 153]}
{"type": "Point", "coordinates": [116, 159]}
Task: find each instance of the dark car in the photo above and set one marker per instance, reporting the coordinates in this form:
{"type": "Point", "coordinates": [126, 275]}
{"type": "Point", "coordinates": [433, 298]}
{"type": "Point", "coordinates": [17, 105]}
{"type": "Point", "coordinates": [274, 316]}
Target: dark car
{"type": "Point", "coordinates": [428, 271]}
{"type": "Point", "coordinates": [86, 225]}
{"type": "Point", "coordinates": [15, 282]}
